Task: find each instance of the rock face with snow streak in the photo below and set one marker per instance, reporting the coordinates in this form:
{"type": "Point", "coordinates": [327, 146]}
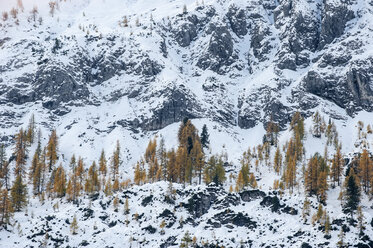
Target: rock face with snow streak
{"type": "Point", "coordinates": [264, 55]}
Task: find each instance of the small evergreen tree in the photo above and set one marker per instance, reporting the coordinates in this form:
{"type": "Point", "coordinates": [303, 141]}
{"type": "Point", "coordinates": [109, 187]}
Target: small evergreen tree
{"type": "Point", "coordinates": [351, 193]}
{"type": "Point", "coordinates": [205, 137]}
{"type": "Point", "coordinates": [186, 240]}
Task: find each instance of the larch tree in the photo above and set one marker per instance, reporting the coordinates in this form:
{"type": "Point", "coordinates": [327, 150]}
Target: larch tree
{"type": "Point", "coordinates": [80, 172]}
{"type": "Point", "coordinates": [317, 129]}
{"type": "Point", "coordinates": [20, 151]}
{"type": "Point", "coordinates": [162, 157]}
{"type": "Point", "coordinates": [6, 208]}
{"type": "Point", "coordinates": [92, 183]}
{"type": "Point", "coordinates": [59, 186]}
{"type": "Point", "coordinates": [18, 194]}
{"type": "Point", "coordinates": [272, 133]}
{"type": "Point", "coordinates": [34, 12]}
{"type": "Point", "coordinates": [291, 173]}
{"type": "Point", "coordinates": [214, 171]}
{"type": "Point", "coordinates": [139, 170]}
{"type": "Point", "coordinates": [116, 160]}
{"type": "Point", "coordinates": [243, 177]}
{"type": "Point", "coordinates": [277, 163]}
{"type": "Point", "coordinates": [297, 125]}
{"type": "Point", "coordinates": [365, 170]}
{"type": "Point", "coordinates": [52, 149]}
{"type": "Point", "coordinates": [102, 163]}
{"type": "Point", "coordinates": [30, 134]}
{"type": "Point", "coordinates": [316, 177]}
{"type": "Point", "coordinates": [74, 226]}
{"type": "Point", "coordinates": [4, 168]}
{"type": "Point", "coordinates": [171, 166]}
{"type": "Point", "coordinates": [181, 163]}
{"type": "Point", "coordinates": [337, 167]}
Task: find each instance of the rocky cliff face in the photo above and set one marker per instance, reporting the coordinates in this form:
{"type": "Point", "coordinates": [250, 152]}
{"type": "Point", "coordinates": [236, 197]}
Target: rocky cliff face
{"type": "Point", "coordinates": [238, 63]}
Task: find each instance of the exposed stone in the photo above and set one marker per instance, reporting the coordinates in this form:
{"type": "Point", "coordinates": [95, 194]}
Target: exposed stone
{"type": "Point", "coordinates": [219, 51]}
{"type": "Point", "coordinates": [237, 20]}
{"type": "Point", "coordinates": [185, 34]}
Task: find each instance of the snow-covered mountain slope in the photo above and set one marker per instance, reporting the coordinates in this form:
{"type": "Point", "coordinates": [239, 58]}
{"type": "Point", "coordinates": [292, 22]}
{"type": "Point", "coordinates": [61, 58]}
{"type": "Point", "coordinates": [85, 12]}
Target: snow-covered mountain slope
{"type": "Point", "coordinates": [99, 71]}
{"type": "Point", "coordinates": [210, 214]}
{"type": "Point", "coordinates": [238, 63]}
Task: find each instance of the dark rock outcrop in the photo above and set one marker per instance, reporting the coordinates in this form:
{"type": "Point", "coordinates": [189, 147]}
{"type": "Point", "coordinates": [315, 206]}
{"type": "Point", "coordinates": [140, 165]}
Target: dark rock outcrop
{"type": "Point", "coordinates": [219, 51]}
{"type": "Point", "coordinates": [237, 20]}
{"type": "Point", "coordinates": [185, 34]}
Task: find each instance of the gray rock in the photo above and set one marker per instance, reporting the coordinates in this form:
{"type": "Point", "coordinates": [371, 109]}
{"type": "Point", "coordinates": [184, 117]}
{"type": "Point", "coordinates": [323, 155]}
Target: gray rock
{"type": "Point", "coordinates": [148, 68]}
{"type": "Point", "coordinates": [178, 105]}
{"type": "Point", "coordinates": [185, 34]}
{"type": "Point", "coordinates": [334, 22]}
{"type": "Point", "coordinates": [219, 51]}
{"type": "Point", "coordinates": [352, 91]}
{"type": "Point", "coordinates": [237, 20]}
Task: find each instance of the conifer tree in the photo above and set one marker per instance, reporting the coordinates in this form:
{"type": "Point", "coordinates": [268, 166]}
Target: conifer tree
{"type": "Point", "coordinates": [92, 182]}
{"type": "Point", "coordinates": [34, 13]}
{"type": "Point", "coordinates": [59, 186]}
{"type": "Point", "coordinates": [4, 167]}
{"type": "Point", "coordinates": [116, 185]}
{"type": "Point", "coordinates": [18, 194]}
{"type": "Point", "coordinates": [341, 236]}
{"type": "Point", "coordinates": [306, 209]}
{"type": "Point", "coordinates": [243, 177]}
{"type": "Point", "coordinates": [116, 160]}
{"type": "Point", "coordinates": [181, 163]}
{"type": "Point", "coordinates": [126, 207]}
{"type": "Point", "coordinates": [185, 11]}
{"type": "Point", "coordinates": [214, 171]}
{"type": "Point", "coordinates": [316, 177]}
{"type": "Point", "coordinates": [297, 125]}
{"type": "Point", "coordinates": [205, 141]}
{"type": "Point", "coordinates": [74, 185]}
{"type": "Point", "coordinates": [162, 158]}
{"type": "Point", "coordinates": [351, 193]}
{"type": "Point", "coordinates": [337, 166]}
{"type": "Point", "coordinates": [6, 208]}
{"type": "Point", "coordinates": [172, 171]}
{"type": "Point", "coordinates": [277, 163]}
{"type": "Point", "coordinates": [360, 219]}
{"type": "Point", "coordinates": [290, 173]}
{"type": "Point", "coordinates": [186, 240]}
{"type": "Point", "coordinates": [108, 188]}
{"type": "Point", "coordinates": [79, 172]}
{"type": "Point", "coordinates": [34, 165]}
{"type": "Point", "coordinates": [20, 151]}
{"type": "Point", "coordinates": [272, 133]}
{"type": "Point", "coordinates": [317, 128]}
{"type": "Point", "coordinates": [138, 174]}
{"type": "Point", "coordinates": [116, 203]}
{"type": "Point", "coordinates": [197, 159]}
{"type": "Point", "coordinates": [102, 163]}
{"type": "Point", "coordinates": [52, 149]}
{"type": "Point", "coordinates": [74, 226]}
{"type": "Point", "coordinates": [30, 135]}
{"type": "Point", "coordinates": [327, 225]}
{"type": "Point", "coordinates": [365, 170]}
